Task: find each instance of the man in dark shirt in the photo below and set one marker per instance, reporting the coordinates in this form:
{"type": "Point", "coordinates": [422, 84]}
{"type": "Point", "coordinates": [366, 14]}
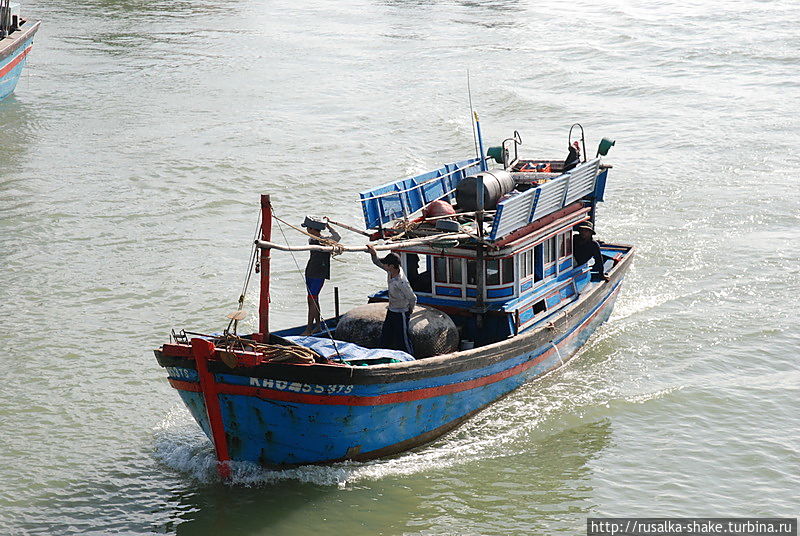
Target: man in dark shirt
{"type": "Point", "coordinates": [318, 269]}
{"type": "Point", "coordinates": [584, 247]}
{"type": "Point", "coordinates": [573, 158]}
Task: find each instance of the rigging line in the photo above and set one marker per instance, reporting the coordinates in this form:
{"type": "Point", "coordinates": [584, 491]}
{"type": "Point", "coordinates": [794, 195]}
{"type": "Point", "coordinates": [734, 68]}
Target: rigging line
{"type": "Point", "coordinates": [253, 257]}
{"type": "Point", "coordinates": [299, 271]}
{"type": "Point", "coordinates": [337, 248]}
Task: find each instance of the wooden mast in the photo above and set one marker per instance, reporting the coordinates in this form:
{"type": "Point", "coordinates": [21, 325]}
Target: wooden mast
{"type": "Point", "coordinates": [266, 234]}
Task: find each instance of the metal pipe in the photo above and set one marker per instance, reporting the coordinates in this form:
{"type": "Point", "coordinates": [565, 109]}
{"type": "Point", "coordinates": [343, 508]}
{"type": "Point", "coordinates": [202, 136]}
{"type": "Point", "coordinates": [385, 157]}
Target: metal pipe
{"type": "Point", "coordinates": [480, 264]}
{"type": "Point", "coordinates": [583, 139]}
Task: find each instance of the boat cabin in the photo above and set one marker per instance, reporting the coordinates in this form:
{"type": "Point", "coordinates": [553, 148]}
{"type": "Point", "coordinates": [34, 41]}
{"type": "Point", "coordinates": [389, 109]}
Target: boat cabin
{"type": "Point", "coordinates": [507, 271]}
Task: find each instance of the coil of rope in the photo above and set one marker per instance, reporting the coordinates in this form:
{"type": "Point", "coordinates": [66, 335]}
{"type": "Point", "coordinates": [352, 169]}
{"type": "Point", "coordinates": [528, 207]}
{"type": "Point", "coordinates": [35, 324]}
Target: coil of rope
{"type": "Point", "coordinates": [272, 353]}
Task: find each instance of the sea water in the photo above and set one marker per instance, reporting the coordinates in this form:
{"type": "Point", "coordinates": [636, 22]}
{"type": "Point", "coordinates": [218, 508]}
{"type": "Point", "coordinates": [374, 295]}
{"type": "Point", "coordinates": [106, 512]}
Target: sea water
{"type": "Point", "coordinates": [132, 156]}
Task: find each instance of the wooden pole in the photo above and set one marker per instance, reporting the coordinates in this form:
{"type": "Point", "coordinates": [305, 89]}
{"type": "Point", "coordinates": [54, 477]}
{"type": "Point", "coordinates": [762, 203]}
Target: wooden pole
{"type": "Point", "coordinates": [266, 235]}
{"type": "Point", "coordinates": [480, 264]}
{"type": "Point", "coordinates": [348, 227]}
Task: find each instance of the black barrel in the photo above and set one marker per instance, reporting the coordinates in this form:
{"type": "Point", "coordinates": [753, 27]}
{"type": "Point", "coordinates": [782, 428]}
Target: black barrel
{"type": "Point", "coordinates": [496, 184]}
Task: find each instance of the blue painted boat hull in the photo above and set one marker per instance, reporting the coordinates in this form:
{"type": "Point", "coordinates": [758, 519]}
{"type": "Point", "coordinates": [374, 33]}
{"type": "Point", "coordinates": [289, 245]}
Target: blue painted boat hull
{"type": "Point", "coordinates": [14, 51]}
{"type": "Point", "coordinates": [283, 415]}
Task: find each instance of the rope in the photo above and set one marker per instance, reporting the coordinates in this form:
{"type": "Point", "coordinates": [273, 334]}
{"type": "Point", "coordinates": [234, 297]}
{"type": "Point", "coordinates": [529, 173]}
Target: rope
{"type": "Point", "coordinates": [404, 226]}
{"type": "Point", "coordinates": [272, 352]}
{"type": "Point", "coordinates": [253, 258]}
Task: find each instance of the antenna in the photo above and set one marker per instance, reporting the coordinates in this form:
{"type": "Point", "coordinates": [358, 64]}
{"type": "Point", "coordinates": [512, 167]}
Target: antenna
{"type": "Point", "coordinates": [472, 118]}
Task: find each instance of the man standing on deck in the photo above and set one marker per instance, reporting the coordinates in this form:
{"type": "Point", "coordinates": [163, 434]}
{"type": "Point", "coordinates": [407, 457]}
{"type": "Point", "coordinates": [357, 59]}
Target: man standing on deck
{"type": "Point", "coordinates": [394, 335]}
{"type": "Point", "coordinates": [318, 269]}
{"type": "Point", "coordinates": [584, 247]}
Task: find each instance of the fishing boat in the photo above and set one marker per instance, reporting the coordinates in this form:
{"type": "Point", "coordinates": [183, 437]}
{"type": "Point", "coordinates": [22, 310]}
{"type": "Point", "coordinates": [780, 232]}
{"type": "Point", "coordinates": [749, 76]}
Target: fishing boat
{"type": "Point", "coordinates": [16, 40]}
{"type": "Point", "coordinates": [487, 244]}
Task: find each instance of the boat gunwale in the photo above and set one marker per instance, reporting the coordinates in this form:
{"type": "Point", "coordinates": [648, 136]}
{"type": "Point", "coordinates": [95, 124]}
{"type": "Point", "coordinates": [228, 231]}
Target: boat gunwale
{"type": "Point", "coordinates": [11, 43]}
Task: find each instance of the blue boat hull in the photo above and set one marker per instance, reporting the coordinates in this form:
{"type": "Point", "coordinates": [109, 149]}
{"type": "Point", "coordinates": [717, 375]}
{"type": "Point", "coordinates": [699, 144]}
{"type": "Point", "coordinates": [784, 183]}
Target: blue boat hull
{"type": "Point", "coordinates": [14, 51]}
{"type": "Point", "coordinates": [285, 415]}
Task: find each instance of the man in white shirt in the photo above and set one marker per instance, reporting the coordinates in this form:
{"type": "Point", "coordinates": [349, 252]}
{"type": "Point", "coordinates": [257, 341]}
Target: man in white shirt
{"type": "Point", "coordinates": [394, 335]}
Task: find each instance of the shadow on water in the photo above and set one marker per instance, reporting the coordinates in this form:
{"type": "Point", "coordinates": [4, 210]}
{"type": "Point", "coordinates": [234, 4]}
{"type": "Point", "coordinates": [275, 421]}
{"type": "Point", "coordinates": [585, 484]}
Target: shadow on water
{"type": "Point", "coordinates": [565, 456]}
{"type": "Point", "coordinates": [215, 510]}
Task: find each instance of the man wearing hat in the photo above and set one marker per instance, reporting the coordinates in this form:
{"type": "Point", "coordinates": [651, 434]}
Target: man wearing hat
{"type": "Point", "coordinates": [318, 269]}
{"type": "Point", "coordinates": [584, 247]}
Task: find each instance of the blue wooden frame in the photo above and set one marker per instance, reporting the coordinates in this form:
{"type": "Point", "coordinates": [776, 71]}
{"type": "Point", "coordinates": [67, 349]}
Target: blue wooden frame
{"type": "Point", "coordinates": [402, 198]}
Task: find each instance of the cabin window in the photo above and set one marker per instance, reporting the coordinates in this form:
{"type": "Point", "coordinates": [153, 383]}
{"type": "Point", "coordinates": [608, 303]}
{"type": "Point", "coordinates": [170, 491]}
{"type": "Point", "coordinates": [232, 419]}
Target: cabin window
{"type": "Point", "coordinates": [492, 272]}
{"type": "Point", "coordinates": [539, 307]}
{"type": "Point", "coordinates": [530, 261]}
{"type": "Point", "coordinates": [440, 269]}
{"type": "Point", "coordinates": [420, 281]}
{"type": "Point", "coordinates": [525, 266]}
{"type": "Point", "coordinates": [447, 270]}
{"type": "Point", "coordinates": [508, 270]}
{"type": "Point", "coordinates": [549, 250]}
{"type": "Point", "coordinates": [538, 266]}
{"type": "Point", "coordinates": [455, 270]}
{"type": "Point", "coordinates": [566, 244]}
{"type": "Point", "coordinates": [472, 271]}
{"type": "Point", "coordinates": [411, 265]}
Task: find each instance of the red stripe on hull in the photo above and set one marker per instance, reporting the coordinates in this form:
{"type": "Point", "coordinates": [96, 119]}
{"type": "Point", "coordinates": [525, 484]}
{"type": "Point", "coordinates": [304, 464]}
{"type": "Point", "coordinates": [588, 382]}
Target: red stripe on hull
{"type": "Point", "coordinates": [13, 63]}
{"type": "Point", "coordinates": [350, 400]}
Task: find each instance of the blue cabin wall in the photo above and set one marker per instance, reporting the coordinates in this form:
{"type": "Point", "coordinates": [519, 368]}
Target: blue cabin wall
{"type": "Point", "coordinates": [539, 280]}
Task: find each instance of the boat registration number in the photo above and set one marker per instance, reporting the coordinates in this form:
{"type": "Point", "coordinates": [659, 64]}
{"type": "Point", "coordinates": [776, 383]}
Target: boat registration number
{"type": "Point", "coordinates": [283, 385]}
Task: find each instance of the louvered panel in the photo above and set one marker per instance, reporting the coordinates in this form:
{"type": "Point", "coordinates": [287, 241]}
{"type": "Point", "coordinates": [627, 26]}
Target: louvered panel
{"type": "Point", "coordinates": [513, 213]}
{"type": "Point", "coordinates": [581, 181]}
{"type": "Point", "coordinates": [545, 199]}
{"type": "Point", "coordinates": [550, 198]}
